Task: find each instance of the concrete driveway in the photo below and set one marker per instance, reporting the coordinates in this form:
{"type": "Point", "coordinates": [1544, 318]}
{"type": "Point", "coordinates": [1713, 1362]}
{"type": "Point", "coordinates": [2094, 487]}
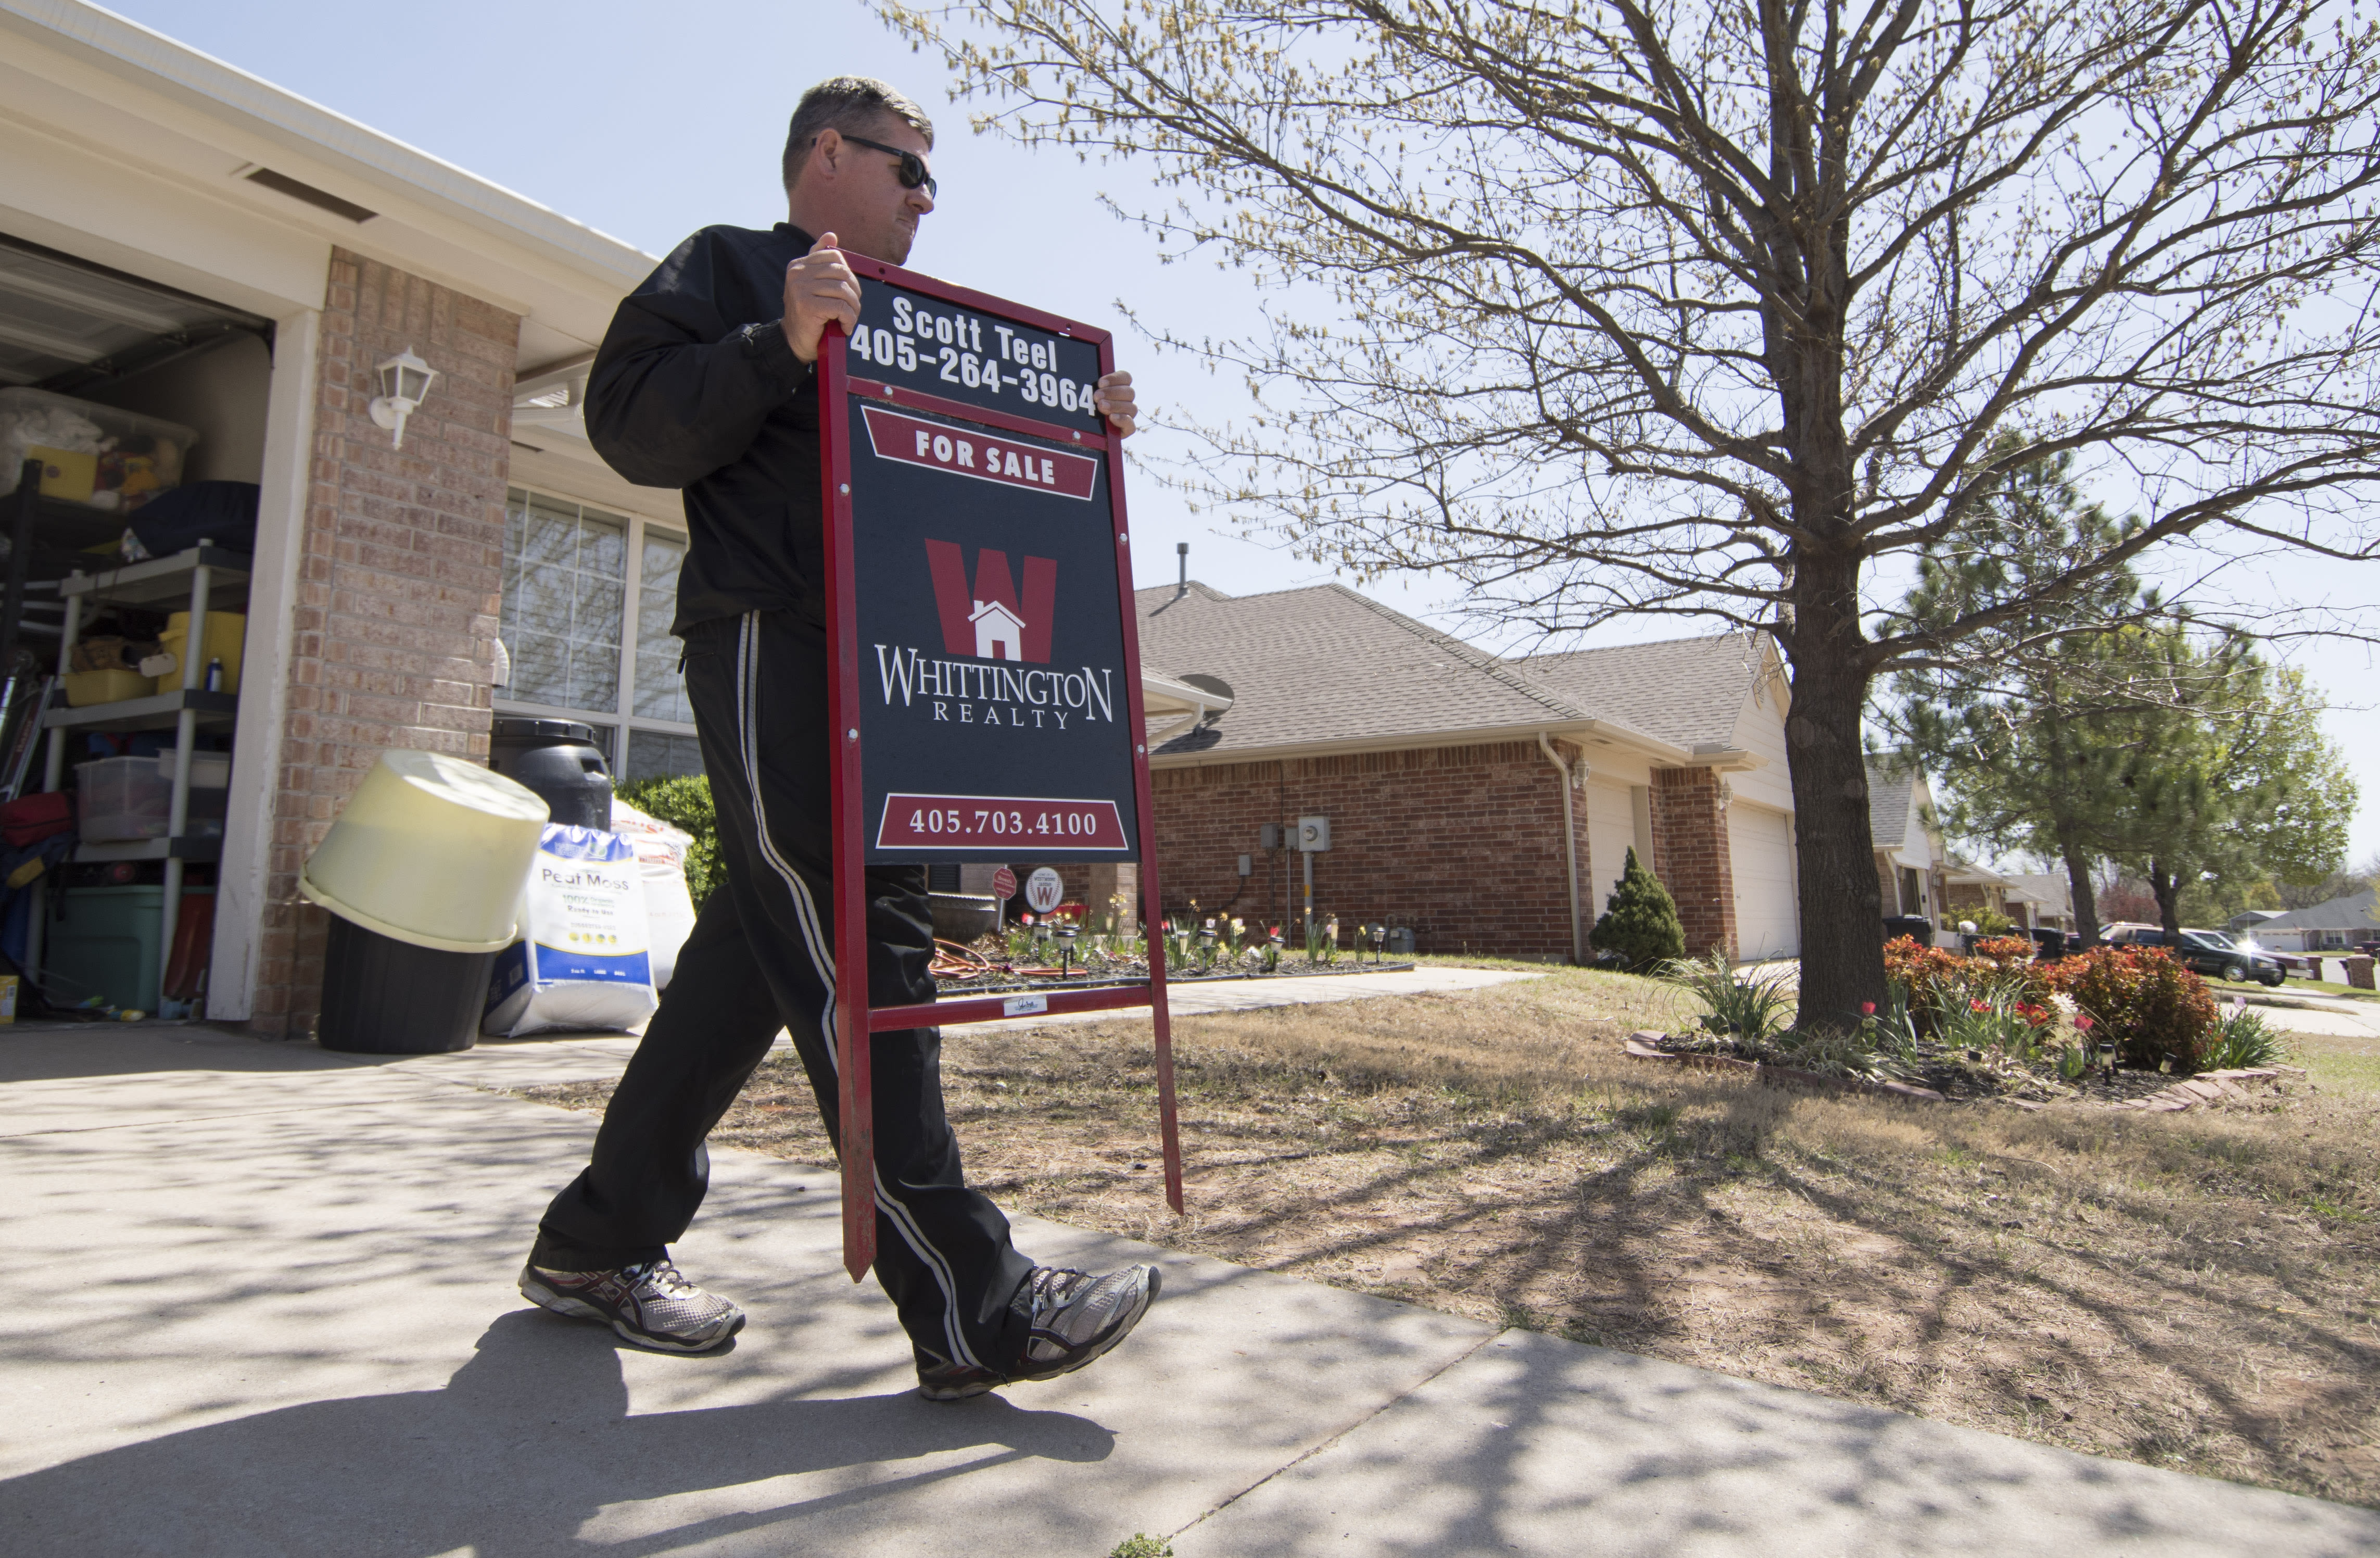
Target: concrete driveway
{"type": "Point", "coordinates": [263, 1305]}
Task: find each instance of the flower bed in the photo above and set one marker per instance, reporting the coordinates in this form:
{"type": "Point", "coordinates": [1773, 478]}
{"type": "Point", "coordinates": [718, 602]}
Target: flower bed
{"type": "Point", "coordinates": [1992, 1025]}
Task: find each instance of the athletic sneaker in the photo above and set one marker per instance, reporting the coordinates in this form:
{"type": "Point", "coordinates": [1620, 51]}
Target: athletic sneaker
{"type": "Point", "coordinates": [649, 1304]}
{"type": "Point", "coordinates": [1073, 1318]}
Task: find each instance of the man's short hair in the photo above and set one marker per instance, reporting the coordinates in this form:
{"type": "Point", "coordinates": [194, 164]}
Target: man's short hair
{"type": "Point", "coordinates": [849, 105]}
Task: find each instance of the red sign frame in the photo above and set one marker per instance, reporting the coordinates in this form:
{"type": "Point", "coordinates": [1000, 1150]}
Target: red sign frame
{"type": "Point", "coordinates": [855, 1019]}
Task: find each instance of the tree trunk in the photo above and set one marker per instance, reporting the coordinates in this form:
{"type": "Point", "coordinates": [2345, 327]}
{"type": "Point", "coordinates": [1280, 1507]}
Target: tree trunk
{"type": "Point", "coordinates": [2167, 885]}
{"type": "Point", "coordinates": [2078, 887]}
{"type": "Point", "coordinates": [1842, 906]}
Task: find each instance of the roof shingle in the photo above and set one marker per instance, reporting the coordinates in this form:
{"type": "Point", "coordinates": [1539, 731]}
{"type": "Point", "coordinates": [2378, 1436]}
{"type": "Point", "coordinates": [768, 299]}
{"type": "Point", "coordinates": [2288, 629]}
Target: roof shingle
{"type": "Point", "coordinates": [1325, 665]}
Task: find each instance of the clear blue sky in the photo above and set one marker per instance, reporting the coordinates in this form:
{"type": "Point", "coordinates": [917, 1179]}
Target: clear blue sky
{"type": "Point", "coordinates": [649, 128]}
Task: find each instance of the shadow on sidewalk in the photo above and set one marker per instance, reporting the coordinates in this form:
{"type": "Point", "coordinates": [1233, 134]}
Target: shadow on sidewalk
{"type": "Point", "coordinates": [527, 1442]}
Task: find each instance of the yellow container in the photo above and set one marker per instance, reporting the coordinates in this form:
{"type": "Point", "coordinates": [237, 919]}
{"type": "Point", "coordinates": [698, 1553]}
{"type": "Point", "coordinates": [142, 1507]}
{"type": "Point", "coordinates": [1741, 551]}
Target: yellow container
{"type": "Point", "coordinates": [86, 688]}
{"type": "Point", "coordinates": [227, 631]}
{"type": "Point", "coordinates": [431, 850]}
{"type": "Point", "coordinates": [66, 474]}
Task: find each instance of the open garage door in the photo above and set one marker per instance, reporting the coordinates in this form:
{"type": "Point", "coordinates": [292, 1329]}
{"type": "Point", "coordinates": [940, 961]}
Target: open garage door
{"type": "Point", "coordinates": [1760, 849]}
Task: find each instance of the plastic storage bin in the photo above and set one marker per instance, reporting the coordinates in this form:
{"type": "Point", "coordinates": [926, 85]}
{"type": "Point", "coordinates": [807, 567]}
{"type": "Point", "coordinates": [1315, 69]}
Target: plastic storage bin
{"type": "Point", "coordinates": [97, 456]}
{"type": "Point", "coordinates": [102, 942]}
{"type": "Point", "coordinates": [86, 688]}
{"type": "Point", "coordinates": [121, 799]}
{"type": "Point", "coordinates": [227, 631]}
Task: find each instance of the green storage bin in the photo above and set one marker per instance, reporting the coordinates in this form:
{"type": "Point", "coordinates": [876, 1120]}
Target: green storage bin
{"type": "Point", "coordinates": [107, 945]}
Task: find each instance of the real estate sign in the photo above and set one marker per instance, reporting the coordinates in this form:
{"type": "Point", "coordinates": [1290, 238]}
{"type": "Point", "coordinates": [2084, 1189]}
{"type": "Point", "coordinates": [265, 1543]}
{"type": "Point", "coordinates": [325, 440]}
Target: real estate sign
{"type": "Point", "coordinates": [987, 676]}
{"type": "Point", "coordinates": [991, 584]}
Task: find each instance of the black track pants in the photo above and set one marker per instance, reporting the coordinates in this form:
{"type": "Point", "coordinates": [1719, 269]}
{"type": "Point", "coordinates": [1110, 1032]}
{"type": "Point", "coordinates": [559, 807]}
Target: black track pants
{"type": "Point", "coordinates": [763, 958]}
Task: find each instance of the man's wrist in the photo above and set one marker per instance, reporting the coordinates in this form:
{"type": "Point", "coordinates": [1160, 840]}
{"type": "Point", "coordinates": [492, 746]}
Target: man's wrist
{"type": "Point", "coordinates": [770, 352]}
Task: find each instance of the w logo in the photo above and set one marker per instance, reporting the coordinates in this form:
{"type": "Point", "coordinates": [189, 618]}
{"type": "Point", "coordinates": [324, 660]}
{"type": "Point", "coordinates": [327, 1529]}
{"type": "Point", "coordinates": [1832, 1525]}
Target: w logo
{"type": "Point", "coordinates": [992, 621]}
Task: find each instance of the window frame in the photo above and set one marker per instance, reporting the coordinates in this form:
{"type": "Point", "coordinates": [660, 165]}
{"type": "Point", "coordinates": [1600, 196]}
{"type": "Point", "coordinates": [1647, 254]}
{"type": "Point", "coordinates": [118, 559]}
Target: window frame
{"type": "Point", "coordinates": [624, 721]}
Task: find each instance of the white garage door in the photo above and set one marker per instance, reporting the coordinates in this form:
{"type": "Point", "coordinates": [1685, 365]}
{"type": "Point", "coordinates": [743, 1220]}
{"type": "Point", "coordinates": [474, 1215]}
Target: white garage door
{"type": "Point", "coordinates": [1760, 849]}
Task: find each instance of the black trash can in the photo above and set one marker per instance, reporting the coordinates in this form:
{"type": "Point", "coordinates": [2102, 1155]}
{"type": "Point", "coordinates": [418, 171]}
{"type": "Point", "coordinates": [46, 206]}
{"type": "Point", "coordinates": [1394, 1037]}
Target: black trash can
{"type": "Point", "coordinates": [558, 761]}
{"type": "Point", "coordinates": [382, 996]}
{"type": "Point", "coordinates": [1917, 925]}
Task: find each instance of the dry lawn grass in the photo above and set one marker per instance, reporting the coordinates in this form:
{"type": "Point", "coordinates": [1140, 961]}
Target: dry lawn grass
{"type": "Point", "coordinates": [2200, 1291]}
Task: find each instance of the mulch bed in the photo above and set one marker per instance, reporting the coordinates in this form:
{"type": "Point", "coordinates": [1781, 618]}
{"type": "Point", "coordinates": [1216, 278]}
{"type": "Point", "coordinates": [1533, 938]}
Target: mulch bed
{"type": "Point", "coordinates": [1947, 1082]}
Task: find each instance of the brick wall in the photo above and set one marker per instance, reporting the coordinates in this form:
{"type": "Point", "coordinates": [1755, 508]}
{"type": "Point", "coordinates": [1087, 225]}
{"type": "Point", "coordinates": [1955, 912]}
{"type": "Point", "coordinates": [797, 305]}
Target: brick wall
{"type": "Point", "coordinates": [1463, 844]}
{"type": "Point", "coordinates": [398, 582]}
{"type": "Point", "coordinates": [1690, 856]}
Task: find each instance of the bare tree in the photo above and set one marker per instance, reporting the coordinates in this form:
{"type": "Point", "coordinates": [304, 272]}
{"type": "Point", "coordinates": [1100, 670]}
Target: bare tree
{"type": "Point", "coordinates": [1709, 308]}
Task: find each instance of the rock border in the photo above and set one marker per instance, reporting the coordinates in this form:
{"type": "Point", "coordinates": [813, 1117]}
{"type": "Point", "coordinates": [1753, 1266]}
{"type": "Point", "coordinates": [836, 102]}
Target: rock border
{"type": "Point", "coordinates": [1645, 1045]}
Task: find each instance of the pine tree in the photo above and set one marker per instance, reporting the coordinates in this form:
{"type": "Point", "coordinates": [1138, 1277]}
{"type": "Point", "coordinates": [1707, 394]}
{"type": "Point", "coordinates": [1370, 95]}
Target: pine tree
{"type": "Point", "coordinates": [1640, 921]}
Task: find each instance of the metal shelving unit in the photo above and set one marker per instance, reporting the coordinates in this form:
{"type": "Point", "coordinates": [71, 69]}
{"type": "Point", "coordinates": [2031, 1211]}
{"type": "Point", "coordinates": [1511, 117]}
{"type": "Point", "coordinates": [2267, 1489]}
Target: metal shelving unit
{"type": "Point", "coordinates": [207, 577]}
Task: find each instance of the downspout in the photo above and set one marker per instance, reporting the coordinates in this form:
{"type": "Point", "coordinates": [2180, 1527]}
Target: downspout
{"type": "Point", "coordinates": [1570, 848]}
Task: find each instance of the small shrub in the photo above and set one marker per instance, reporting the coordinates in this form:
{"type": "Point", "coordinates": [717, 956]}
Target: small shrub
{"type": "Point", "coordinates": [2243, 1041]}
{"type": "Point", "coordinates": [684, 802]}
{"type": "Point", "coordinates": [1748, 1010]}
{"type": "Point", "coordinates": [1640, 920]}
{"type": "Point", "coordinates": [1141, 1545]}
{"type": "Point", "coordinates": [2153, 1008]}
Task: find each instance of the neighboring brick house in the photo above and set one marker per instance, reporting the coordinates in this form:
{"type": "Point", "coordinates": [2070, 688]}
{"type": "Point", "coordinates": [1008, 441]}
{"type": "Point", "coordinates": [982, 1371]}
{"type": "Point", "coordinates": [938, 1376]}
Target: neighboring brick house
{"type": "Point", "coordinates": [1441, 769]}
{"type": "Point", "coordinates": [1910, 863]}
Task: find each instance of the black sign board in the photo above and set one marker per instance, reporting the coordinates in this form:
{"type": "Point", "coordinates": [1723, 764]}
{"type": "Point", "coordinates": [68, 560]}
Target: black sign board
{"type": "Point", "coordinates": [987, 689]}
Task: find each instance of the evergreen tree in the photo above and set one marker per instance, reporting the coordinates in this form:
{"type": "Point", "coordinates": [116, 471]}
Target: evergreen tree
{"type": "Point", "coordinates": [1640, 921]}
{"type": "Point", "coordinates": [2034, 725]}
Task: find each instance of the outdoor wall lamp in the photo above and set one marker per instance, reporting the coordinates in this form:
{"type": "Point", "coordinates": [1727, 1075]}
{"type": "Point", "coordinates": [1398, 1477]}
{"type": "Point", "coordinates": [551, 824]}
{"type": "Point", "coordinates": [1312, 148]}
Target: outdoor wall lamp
{"type": "Point", "coordinates": [403, 386]}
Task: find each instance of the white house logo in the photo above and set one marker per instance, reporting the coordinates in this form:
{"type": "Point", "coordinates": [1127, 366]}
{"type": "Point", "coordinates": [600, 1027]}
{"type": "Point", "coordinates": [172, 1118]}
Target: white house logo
{"type": "Point", "coordinates": [981, 454]}
{"type": "Point", "coordinates": [991, 620]}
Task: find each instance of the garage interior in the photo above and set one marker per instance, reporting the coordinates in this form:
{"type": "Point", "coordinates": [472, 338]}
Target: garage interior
{"type": "Point", "coordinates": [132, 426]}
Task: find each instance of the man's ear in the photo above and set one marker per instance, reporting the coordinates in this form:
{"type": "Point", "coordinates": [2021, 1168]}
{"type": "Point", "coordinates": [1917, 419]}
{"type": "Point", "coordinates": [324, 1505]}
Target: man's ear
{"type": "Point", "coordinates": [826, 153]}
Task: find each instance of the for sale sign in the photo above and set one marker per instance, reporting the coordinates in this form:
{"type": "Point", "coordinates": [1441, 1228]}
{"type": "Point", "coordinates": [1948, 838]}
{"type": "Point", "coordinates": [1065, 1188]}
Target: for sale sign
{"type": "Point", "coordinates": [989, 580]}
{"type": "Point", "coordinates": [986, 683]}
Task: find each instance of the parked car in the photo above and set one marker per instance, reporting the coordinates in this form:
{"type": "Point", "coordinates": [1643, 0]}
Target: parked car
{"type": "Point", "coordinates": [2211, 954]}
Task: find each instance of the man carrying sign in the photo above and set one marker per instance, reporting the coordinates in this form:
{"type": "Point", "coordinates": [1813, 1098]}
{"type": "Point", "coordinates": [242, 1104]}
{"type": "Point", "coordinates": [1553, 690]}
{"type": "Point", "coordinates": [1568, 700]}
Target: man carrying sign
{"type": "Point", "coordinates": [705, 383]}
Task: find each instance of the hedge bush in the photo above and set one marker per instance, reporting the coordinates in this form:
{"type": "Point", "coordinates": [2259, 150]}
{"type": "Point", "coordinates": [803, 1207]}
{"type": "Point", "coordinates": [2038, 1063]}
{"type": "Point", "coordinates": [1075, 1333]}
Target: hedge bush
{"type": "Point", "coordinates": [2155, 1010]}
{"type": "Point", "coordinates": [683, 801]}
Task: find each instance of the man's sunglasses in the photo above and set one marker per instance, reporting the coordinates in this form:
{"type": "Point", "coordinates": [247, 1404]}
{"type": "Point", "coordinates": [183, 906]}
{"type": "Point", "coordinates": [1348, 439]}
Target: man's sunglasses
{"type": "Point", "coordinates": [913, 173]}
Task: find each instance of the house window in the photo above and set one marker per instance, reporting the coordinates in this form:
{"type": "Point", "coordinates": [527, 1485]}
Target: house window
{"type": "Point", "coordinates": [588, 600]}
{"type": "Point", "coordinates": [1913, 894]}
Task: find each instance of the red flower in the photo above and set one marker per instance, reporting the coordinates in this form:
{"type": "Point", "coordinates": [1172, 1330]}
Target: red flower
{"type": "Point", "coordinates": [1867, 1008]}
{"type": "Point", "coordinates": [1978, 1006]}
{"type": "Point", "coordinates": [2083, 1022]}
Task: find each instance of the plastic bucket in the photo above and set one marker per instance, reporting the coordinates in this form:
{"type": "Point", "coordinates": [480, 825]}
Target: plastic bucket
{"type": "Point", "coordinates": [382, 996]}
{"type": "Point", "coordinates": [227, 631]}
{"type": "Point", "coordinates": [431, 850]}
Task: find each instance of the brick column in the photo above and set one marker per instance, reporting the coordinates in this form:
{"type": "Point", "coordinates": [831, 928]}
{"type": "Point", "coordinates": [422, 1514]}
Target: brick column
{"type": "Point", "coordinates": [1690, 856]}
{"type": "Point", "coordinates": [398, 585]}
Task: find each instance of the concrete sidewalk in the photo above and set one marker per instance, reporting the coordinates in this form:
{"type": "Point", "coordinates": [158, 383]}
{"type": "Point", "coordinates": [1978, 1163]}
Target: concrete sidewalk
{"type": "Point", "coordinates": [264, 1306]}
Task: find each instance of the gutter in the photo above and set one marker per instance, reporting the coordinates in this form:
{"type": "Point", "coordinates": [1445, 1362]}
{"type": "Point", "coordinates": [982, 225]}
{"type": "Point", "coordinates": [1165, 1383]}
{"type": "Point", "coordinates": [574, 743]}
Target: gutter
{"type": "Point", "coordinates": [1570, 844]}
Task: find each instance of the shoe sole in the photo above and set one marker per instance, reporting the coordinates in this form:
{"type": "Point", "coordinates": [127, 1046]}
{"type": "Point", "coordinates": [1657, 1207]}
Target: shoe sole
{"type": "Point", "coordinates": [1097, 1350]}
{"type": "Point", "coordinates": [545, 1298]}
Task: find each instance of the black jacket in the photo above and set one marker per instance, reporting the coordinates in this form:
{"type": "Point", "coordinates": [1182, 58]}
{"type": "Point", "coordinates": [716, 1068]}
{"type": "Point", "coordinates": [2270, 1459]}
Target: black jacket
{"type": "Point", "coordinates": [696, 388]}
